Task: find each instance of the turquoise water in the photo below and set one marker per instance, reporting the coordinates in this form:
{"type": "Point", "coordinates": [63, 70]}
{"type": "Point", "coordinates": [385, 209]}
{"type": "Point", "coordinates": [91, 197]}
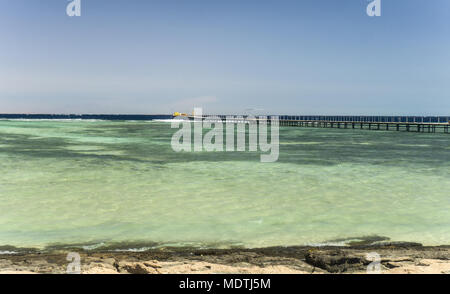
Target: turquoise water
{"type": "Point", "coordinates": [105, 182]}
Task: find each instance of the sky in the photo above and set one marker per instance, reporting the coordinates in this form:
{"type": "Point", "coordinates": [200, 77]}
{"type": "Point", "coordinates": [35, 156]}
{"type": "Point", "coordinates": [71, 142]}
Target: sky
{"type": "Point", "coordinates": [226, 56]}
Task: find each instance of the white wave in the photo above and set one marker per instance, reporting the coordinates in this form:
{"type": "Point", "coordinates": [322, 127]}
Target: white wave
{"type": "Point", "coordinates": [142, 249]}
{"type": "Point", "coordinates": [51, 119]}
{"type": "Point", "coordinates": [92, 247]}
{"type": "Point", "coordinates": [8, 252]}
{"type": "Point", "coordinates": [168, 120]}
{"type": "Point", "coordinates": [326, 244]}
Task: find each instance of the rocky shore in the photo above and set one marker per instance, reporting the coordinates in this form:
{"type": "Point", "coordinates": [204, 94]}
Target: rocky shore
{"type": "Point", "coordinates": [403, 258]}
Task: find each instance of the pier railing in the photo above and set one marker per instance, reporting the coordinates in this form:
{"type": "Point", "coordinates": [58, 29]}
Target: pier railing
{"type": "Point", "coordinates": [429, 124]}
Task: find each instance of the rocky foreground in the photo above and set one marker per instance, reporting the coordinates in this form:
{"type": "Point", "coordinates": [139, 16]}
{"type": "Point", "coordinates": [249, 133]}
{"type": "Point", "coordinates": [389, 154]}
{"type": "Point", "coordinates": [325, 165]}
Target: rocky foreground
{"type": "Point", "coordinates": [394, 259]}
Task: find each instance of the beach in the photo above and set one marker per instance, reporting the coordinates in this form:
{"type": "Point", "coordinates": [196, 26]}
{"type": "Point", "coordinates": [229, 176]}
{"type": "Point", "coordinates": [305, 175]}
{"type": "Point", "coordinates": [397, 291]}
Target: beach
{"type": "Point", "coordinates": [400, 258]}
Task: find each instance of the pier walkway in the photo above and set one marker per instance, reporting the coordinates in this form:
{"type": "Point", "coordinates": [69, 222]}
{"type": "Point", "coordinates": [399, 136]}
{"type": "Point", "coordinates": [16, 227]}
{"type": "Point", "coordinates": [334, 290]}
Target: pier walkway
{"type": "Point", "coordinates": [437, 124]}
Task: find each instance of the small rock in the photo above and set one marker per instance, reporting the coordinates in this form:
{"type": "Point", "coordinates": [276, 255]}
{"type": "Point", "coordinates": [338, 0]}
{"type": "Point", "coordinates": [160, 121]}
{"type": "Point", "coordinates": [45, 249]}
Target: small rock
{"type": "Point", "coordinates": [136, 268]}
{"type": "Point", "coordinates": [334, 261]}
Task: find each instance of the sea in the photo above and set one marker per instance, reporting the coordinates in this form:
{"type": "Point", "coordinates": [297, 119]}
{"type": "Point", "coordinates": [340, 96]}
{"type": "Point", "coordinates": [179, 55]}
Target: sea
{"type": "Point", "coordinates": [117, 183]}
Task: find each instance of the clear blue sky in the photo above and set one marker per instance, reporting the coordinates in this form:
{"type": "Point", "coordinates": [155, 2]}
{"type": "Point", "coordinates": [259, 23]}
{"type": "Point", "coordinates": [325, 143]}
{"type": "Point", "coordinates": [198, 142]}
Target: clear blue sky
{"type": "Point", "coordinates": [282, 57]}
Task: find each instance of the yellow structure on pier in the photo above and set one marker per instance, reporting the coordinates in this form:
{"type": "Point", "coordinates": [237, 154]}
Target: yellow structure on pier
{"type": "Point", "coordinates": [175, 114]}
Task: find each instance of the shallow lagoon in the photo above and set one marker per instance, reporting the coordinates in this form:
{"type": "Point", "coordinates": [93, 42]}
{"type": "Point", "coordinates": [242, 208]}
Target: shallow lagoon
{"type": "Point", "coordinates": [105, 182]}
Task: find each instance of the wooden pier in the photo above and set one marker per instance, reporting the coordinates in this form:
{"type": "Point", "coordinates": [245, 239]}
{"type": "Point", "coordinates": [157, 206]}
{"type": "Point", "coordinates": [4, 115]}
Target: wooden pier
{"type": "Point", "coordinates": [386, 126]}
{"type": "Point", "coordinates": [407, 124]}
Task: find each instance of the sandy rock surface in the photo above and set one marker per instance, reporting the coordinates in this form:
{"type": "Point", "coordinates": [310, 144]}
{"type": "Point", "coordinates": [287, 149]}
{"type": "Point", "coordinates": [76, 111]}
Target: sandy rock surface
{"type": "Point", "coordinates": [287, 260]}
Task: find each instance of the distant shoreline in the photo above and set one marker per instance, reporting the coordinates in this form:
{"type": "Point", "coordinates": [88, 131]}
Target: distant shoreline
{"type": "Point", "coordinates": [118, 116]}
{"type": "Point", "coordinates": [87, 116]}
